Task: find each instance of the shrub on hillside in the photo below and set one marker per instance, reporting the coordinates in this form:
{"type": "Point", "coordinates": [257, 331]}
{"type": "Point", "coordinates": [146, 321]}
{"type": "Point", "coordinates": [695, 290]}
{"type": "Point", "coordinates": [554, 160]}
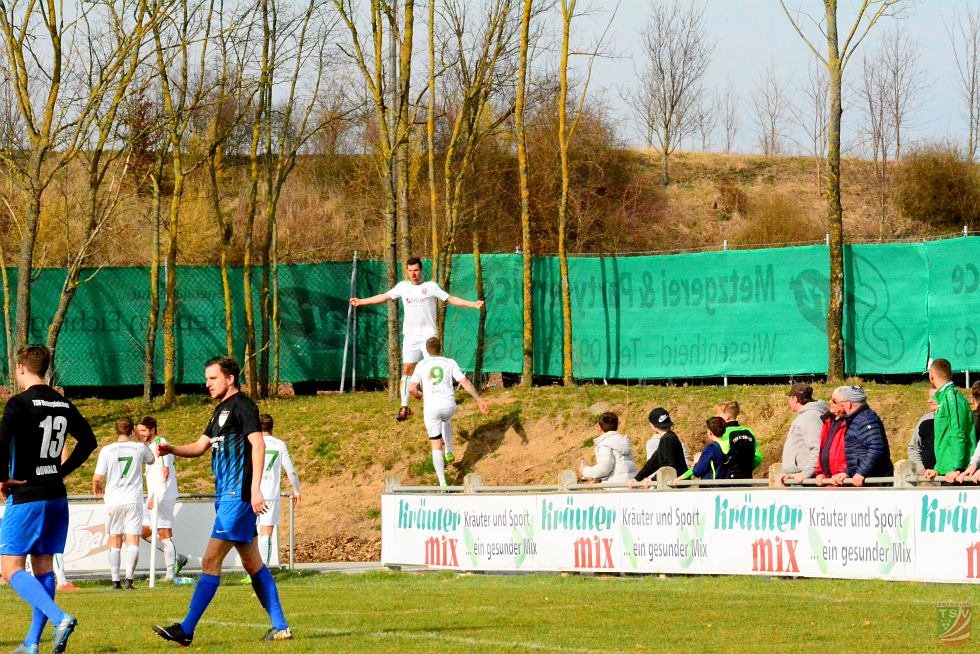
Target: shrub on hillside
{"type": "Point", "coordinates": [936, 184]}
{"type": "Point", "coordinates": [776, 218]}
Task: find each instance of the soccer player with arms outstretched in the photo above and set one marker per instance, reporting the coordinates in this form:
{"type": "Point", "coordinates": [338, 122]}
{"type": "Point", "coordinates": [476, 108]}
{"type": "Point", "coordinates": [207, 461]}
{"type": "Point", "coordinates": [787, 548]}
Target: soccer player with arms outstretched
{"type": "Point", "coordinates": [32, 437]}
{"type": "Point", "coordinates": [161, 491]}
{"type": "Point", "coordinates": [419, 301]}
{"type": "Point", "coordinates": [437, 375]}
{"type": "Point", "coordinates": [234, 437]}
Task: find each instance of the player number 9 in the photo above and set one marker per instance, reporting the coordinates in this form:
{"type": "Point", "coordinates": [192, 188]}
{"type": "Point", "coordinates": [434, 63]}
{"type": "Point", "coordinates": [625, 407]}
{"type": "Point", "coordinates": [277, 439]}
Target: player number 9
{"type": "Point", "coordinates": [436, 375]}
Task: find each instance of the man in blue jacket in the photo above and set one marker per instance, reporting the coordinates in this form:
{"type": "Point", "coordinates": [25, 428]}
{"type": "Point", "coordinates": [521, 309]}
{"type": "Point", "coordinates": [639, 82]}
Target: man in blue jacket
{"type": "Point", "coordinates": [865, 442]}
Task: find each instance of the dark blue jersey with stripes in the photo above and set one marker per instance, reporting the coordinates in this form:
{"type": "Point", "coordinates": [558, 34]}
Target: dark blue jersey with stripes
{"type": "Point", "coordinates": [231, 453]}
{"type": "Point", "coordinates": [33, 434]}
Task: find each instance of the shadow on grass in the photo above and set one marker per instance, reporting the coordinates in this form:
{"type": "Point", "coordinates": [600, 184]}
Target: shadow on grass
{"type": "Point", "coordinates": [486, 439]}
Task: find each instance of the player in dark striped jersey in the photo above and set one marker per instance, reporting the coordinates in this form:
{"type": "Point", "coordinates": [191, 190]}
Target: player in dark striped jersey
{"type": "Point", "coordinates": [234, 437]}
{"type": "Point", "coordinates": [32, 437]}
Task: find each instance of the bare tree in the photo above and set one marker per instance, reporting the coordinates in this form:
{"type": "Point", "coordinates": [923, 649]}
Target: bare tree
{"type": "Point", "coordinates": [838, 55]}
{"type": "Point", "coordinates": [707, 118]}
{"type": "Point", "coordinates": [811, 117]}
{"type": "Point", "coordinates": [676, 52]}
{"type": "Point", "coordinates": [879, 128]}
{"type": "Point", "coordinates": [729, 115]}
{"type": "Point", "coordinates": [527, 364]}
{"type": "Point", "coordinates": [964, 38]}
{"type": "Point", "coordinates": [770, 107]}
{"type": "Point", "coordinates": [905, 82]}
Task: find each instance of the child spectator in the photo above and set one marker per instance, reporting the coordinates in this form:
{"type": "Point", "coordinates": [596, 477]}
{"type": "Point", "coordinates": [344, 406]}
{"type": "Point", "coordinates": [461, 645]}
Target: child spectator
{"type": "Point", "coordinates": [712, 464]}
{"type": "Point", "coordinates": [613, 454]}
{"type": "Point", "coordinates": [738, 443]}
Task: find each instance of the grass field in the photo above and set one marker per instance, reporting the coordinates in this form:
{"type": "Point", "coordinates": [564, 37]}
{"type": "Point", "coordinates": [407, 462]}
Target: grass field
{"type": "Point", "coordinates": [442, 612]}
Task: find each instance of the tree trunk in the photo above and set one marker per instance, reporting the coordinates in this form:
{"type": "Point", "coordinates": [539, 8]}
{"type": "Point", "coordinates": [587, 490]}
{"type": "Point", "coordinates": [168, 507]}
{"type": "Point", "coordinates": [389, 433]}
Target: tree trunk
{"type": "Point", "coordinates": [481, 326]}
{"type": "Point", "coordinates": [149, 352]}
{"type": "Point", "coordinates": [430, 136]}
{"type": "Point", "coordinates": [563, 137]}
{"type": "Point", "coordinates": [25, 270]}
{"type": "Point", "coordinates": [527, 279]}
{"type": "Point", "coordinates": [835, 213]}
{"type": "Point", "coordinates": [7, 332]}
{"type": "Point", "coordinates": [391, 259]}
{"type": "Point", "coordinates": [227, 231]}
{"type": "Point", "coordinates": [170, 299]}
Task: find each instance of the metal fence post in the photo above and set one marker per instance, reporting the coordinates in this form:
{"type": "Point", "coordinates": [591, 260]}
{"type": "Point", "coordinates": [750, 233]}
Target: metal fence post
{"type": "Point", "coordinates": [292, 535]}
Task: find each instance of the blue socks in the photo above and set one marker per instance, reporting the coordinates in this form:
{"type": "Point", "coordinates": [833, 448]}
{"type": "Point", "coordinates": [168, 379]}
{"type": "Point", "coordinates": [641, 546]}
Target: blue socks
{"type": "Point", "coordinates": [204, 592]}
{"type": "Point", "coordinates": [265, 590]}
{"type": "Point", "coordinates": [33, 592]}
{"type": "Point", "coordinates": [38, 619]}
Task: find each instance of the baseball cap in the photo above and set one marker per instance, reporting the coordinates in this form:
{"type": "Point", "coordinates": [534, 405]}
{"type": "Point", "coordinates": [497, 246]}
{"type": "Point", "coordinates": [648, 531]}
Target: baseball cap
{"type": "Point", "coordinates": [660, 419]}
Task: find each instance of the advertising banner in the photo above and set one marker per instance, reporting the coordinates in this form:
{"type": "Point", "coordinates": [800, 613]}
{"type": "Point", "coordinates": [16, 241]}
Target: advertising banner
{"type": "Point", "coordinates": [851, 534]}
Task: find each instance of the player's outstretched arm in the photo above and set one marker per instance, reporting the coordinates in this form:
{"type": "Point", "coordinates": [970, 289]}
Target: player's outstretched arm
{"type": "Point", "coordinates": [460, 302]}
{"type": "Point", "coordinates": [468, 387]}
{"type": "Point", "coordinates": [189, 451]}
{"type": "Point", "coordinates": [374, 299]}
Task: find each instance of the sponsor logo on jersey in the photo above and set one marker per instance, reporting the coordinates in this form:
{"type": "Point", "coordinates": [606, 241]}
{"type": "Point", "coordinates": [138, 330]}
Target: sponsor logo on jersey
{"type": "Point", "coordinates": [222, 417]}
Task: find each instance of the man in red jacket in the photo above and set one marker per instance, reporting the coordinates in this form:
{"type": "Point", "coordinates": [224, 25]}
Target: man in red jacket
{"type": "Point", "coordinates": [831, 458]}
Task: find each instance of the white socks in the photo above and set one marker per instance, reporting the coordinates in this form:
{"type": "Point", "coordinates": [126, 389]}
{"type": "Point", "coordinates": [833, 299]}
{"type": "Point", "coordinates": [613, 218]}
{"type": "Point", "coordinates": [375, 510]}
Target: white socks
{"type": "Point", "coordinates": [59, 570]}
{"type": "Point", "coordinates": [439, 463]}
{"type": "Point", "coordinates": [265, 548]}
{"type": "Point", "coordinates": [403, 387]}
{"type": "Point", "coordinates": [447, 436]}
{"type": "Point", "coordinates": [169, 555]}
{"type": "Point", "coordinates": [132, 554]}
{"type": "Point", "coordinates": [114, 563]}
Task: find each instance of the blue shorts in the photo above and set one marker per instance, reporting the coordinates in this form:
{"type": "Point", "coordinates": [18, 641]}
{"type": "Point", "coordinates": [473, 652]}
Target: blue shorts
{"type": "Point", "coordinates": [234, 521]}
{"type": "Point", "coordinates": [34, 527]}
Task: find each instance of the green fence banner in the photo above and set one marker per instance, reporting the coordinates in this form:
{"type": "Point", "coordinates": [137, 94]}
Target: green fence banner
{"type": "Point", "coordinates": [734, 313]}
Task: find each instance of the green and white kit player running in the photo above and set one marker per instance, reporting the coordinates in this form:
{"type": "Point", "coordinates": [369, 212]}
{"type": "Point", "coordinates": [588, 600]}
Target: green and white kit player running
{"type": "Point", "coordinates": [437, 376]}
{"type": "Point", "coordinates": [419, 301]}
{"type": "Point", "coordinates": [276, 461]}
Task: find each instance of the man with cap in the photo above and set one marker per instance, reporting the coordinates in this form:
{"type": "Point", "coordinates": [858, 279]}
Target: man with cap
{"type": "Point", "coordinates": [664, 449]}
{"type": "Point", "coordinates": [865, 442]}
{"type": "Point", "coordinates": [803, 438]}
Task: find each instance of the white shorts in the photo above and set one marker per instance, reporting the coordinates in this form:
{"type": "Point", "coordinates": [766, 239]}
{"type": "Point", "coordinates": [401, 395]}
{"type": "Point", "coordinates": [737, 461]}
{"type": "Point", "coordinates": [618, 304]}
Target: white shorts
{"type": "Point", "coordinates": [165, 514]}
{"type": "Point", "coordinates": [436, 417]}
{"type": "Point", "coordinates": [124, 519]}
{"type": "Point", "coordinates": [272, 513]}
{"type": "Point", "coordinates": [413, 348]}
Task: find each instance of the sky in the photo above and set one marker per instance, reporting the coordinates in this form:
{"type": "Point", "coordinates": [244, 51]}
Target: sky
{"type": "Point", "coordinates": [751, 35]}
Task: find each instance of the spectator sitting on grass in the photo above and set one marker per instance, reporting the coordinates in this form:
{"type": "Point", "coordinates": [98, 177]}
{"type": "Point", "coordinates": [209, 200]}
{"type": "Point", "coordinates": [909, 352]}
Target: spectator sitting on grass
{"type": "Point", "coordinates": [831, 467]}
{"type": "Point", "coordinates": [613, 454]}
{"type": "Point", "coordinates": [865, 442]}
{"type": "Point", "coordinates": [738, 443]}
{"type": "Point", "coordinates": [954, 438]}
{"type": "Point", "coordinates": [921, 448]}
{"type": "Point", "coordinates": [712, 464]}
{"type": "Point", "coordinates": [803, 438]}
{"type": "Point", "coordinates": [972, 472]}
{"type": "Point", "coordinates": [664, 449]}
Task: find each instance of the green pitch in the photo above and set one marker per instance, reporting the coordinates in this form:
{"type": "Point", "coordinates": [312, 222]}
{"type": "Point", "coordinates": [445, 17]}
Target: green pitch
{"type": "Point", "coordinates": [431, 613]}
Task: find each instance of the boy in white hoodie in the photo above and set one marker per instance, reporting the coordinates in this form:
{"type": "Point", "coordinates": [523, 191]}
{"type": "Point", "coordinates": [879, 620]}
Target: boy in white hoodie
{"type": "Point", "coordinates": [613, 454]}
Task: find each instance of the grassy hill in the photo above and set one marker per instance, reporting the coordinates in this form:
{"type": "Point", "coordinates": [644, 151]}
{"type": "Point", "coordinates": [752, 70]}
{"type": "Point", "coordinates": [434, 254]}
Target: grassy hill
{"type": "Point", "coordinates": [345, 445]}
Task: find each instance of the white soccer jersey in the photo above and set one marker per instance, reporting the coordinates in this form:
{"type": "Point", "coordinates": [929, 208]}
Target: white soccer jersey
{"type": "Point", "coordinates": [121, 464]}
{"type": "Point", "coordinates": [419, 301]}
{"type": "Point", "coordinates": [438, 377]}
{"type": "Point", "coordinates": [276, 460]}
{"type": "Point", "coordinates": [155, 472]}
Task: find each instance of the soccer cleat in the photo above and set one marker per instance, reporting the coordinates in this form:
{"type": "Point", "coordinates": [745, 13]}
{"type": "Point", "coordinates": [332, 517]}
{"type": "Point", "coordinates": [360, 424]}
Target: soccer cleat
{"type": "Point", "coordinates": [24, 649]}
{"type": "Point", "coordinates": [278, 634]}
{"type": "Point", "coordinates": [174, 633]}
{"type": "Point", "coordinates": [181, 562]}
{"type": "Point", "coordinates": [247, 579]}
{"type": "Point", "coordinates": [59, 638]}
{"type": "Point", "coordinates": [129, 585]}
{"type": "Point", "coordinates": [403, 413]}
{"type": "Point", "coordinates": [449, 457]}
{"type": "Point", "coordinates": [67, 587]}
{"type": "Point", "coordinates": [117, 585]}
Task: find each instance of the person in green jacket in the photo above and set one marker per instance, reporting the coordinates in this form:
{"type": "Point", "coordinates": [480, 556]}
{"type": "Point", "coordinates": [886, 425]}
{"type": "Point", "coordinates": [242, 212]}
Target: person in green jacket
{"type": "Point", "coordinates": [738, 443]}
{"type": "Point", "coordinates": [954, 435]}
